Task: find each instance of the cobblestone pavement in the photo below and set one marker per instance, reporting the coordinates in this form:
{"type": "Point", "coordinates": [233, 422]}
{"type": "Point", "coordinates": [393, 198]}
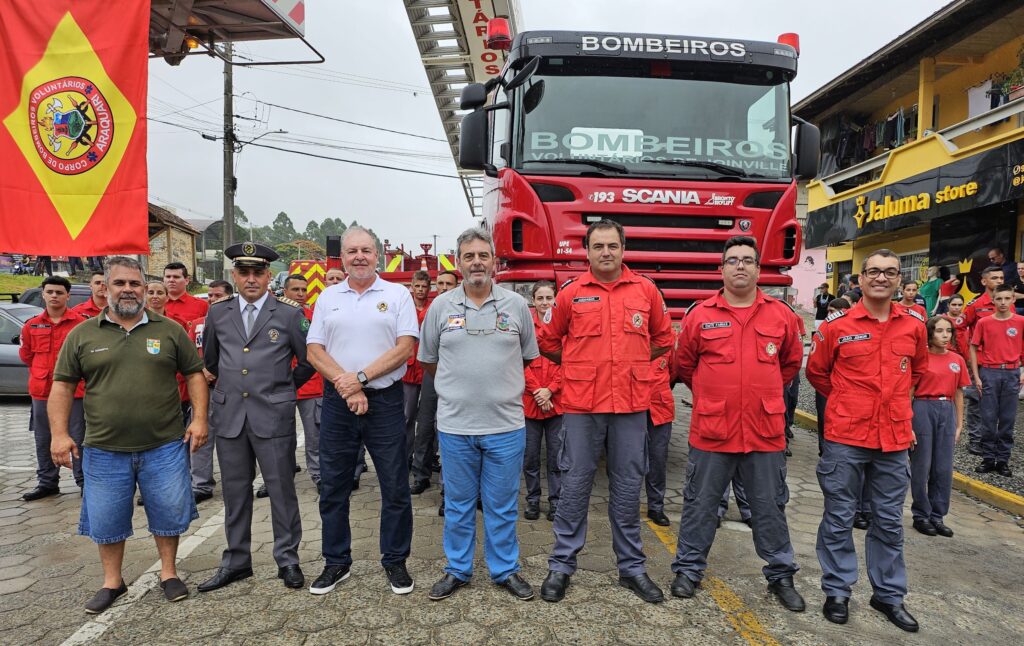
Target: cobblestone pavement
{"type": "Point", "coordinates": [959, 587]}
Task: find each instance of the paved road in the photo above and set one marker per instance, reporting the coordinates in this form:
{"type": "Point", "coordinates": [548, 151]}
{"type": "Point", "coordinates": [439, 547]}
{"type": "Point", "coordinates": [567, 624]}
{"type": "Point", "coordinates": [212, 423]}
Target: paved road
{"type": "Point", "coordinates": [961, 588]}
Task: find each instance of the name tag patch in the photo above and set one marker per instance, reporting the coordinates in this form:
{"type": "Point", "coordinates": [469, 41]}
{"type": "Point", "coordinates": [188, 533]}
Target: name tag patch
{"type": "Point", "coordinates": [456, 321]}
{"type": "Point", "coordinates": [587, 299]}
{"type": "Point", "coordinates": [854, 337]}
{"type": "Point", "coordinates": [715, 325]}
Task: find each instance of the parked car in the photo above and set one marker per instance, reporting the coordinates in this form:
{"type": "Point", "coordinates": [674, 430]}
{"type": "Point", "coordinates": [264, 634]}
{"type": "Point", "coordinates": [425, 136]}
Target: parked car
{"type": "Point", "coordinates": [13, 373]}
{"type": "Point", "coordinates": [34, 295]}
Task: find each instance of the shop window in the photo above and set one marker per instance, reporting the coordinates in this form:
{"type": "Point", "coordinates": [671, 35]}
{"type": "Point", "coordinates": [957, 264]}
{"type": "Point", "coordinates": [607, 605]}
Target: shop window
{"type": "Point", "coordinates": [913, 266]}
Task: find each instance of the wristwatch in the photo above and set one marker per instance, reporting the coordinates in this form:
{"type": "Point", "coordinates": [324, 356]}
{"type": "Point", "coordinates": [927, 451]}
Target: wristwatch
{"type": "Point", "coordinates": [363, 379]}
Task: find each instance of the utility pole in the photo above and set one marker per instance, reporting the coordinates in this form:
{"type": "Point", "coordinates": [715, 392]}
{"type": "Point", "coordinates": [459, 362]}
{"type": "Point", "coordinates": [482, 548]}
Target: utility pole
{"type": "Point", "coordinates": [229, 157]}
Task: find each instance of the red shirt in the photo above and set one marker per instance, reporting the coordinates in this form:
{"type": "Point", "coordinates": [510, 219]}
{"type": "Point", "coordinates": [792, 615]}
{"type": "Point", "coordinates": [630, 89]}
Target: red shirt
{"type": "Point", "coordinates": [961, 335]}
{"type": "Point", "coordinates": [41, 341]}
{"type": "Point", "coordinates": [314, 388]}
{"type": "Point", "coordinates": [866, 368]}
{"type": "Point", "coordinates": [736, 361]}
{"type": "Point", "coordinates": [999, 341]}
{"type": "Point", "coordinates": [945, 374]}
{"type": "Point", "coordinates": [917, 308]}
{"type": "Point", "coordinates": [88, 309]}
{"type": "Point", "coordinates": [542, 373]}
{"type": "Point", "coordinates": [185, 309]}
{"type": "Point", "coordinates": [413, 370]}
{"type": "Point", "coordinates": [605, 332]}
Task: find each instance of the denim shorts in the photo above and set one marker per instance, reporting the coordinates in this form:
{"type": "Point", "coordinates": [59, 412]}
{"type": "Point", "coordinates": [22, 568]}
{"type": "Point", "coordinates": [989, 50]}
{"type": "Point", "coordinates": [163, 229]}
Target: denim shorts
{"type": "Point", "coordinates": [163, 478]}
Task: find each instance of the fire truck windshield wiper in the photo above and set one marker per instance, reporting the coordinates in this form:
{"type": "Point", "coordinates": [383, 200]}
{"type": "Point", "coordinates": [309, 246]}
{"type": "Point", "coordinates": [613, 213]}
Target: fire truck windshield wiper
{"type": "Point", "coordinates": [603, 165]}
{"type": "Point", "coordinates": [724, 169]}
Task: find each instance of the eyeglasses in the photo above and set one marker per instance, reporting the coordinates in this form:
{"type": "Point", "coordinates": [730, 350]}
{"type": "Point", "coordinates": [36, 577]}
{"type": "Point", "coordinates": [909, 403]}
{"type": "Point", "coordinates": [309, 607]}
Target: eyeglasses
{"type": "Point", "coordinates": [484, 330]}
{"type": "Point", "coordinates": [746, 260]}
{"type": "Point", "coordinates": [875, 272]}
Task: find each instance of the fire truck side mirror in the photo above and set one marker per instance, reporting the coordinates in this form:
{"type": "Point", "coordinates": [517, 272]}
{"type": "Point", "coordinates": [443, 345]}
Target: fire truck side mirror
{"type": "Point", "coordinates": [473, 96]}
{"type": "Point", "coordinates": [473, 141]}
{"type": "Point", "coordinates": [808, 151]}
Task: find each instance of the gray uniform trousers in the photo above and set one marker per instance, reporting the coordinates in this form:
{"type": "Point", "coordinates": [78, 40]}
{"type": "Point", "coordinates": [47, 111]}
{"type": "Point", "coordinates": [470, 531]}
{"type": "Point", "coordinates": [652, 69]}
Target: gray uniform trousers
{"type": "Point", "coordinates": [309, 413]}
{"type": "Point", "coordinates": [201, 462]}
{"type": "Point", "coordinates": [999, 390]}
{"type": "Point", "coordinates": [972, 414]}
{"type": "Point", "coordinates": [425, 442]}
{"type": "Point", "coordinates": [657, 463]}
{"type": "Point", "coordinates": [411, 394]}
{"type": "Point", "coordinates": [741, 498]}
{"type": "Point", "coordinates": [707, 476]}
{"type": "Point", "coordinates": [238, 457]}
{"type": "Point", "coordinates": [547, 431]}
{"type": "Point", "coordinates": [841, 472]}
{"type": "Point", "coordinates": [931, 461]}
{"type": "Point", "coordinates": [584, 437]}
{"type": "Point", "coordinates": [48, 473]}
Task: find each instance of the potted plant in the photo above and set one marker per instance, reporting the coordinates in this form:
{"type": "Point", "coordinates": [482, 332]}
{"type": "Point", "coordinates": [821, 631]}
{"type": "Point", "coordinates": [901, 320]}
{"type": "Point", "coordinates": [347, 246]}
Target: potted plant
{"type": "Point", "coordinates": [1013, 86]}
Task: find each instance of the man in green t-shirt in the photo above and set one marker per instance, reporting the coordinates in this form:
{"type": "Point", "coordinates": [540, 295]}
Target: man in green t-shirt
{"type": "Point", "coordinates": [129, 359]}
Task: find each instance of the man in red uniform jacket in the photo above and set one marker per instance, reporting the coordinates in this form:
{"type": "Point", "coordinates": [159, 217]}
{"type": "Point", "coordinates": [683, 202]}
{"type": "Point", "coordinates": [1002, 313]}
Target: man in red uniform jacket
{"type": "Point", "coordinates": [181, 306]}
{"type": "Point", "coordinates": [605, 329]}
{"type": "Point", "coordinates": [98, 300]}
{"type": "Point", "coordinates": [736, 352]}
{"type": "Point", "coordinates": [867, 360]}
{"type": "Point", "coordinates": [42, 337]}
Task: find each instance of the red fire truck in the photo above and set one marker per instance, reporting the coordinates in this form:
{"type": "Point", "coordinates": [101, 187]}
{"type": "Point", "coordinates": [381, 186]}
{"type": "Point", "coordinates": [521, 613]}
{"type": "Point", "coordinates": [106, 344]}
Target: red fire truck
{"type": "Point", "coordinates": [684, 141]}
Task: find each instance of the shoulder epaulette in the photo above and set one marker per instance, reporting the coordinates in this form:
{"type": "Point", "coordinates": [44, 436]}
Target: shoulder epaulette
{"type": "Point", "coordinates": [835, 315]}
{"type": "Point", "coordinates": [223, 300]}
{"type": "Point", "coordinates": [565, 284]}
{"type": "Point", "coordinates": [974, 299]}
{"type": "Point", "coordinates": [650, 279]}
{"type": "Point", "coordinates": [915, 314]}
{"type": "Point", "coordinates": [288, 301]}
{"type": "Point", "coordinates": [692, 305]}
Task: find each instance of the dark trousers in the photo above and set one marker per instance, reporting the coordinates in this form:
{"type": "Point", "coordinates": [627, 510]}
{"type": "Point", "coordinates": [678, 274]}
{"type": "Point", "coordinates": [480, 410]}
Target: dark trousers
{"type": "Point", "coordinates": [548, 432]}
{"type": "Point", "coordinates": [48, 473]}
{"type": "Point", "coordinates": [657, 464]}
{"type": "Point", "coordinates": [864, 498]}
{"type": "Point", "coordinates": [999, 389]}
{"type": "Point", "coordinates": [972, 414]}
{"type": "Point", "coordinates": [425, 445]}
{"type": "Point", "coordinates": [382, 431]}
{"type": "Point", "coordinates": [707, 476]}
{"type": "Point", "coordinates": [790, 394]}
{"type": "Point", "coordinates": [931, 461]}
{"type": "Point", "coordinates": [411, 407]}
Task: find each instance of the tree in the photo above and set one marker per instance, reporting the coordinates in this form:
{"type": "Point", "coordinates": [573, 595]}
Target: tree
{"type": "Point", "coordinates": [282, 229]}
{"type": "Point", "coordinates": [313, 232]}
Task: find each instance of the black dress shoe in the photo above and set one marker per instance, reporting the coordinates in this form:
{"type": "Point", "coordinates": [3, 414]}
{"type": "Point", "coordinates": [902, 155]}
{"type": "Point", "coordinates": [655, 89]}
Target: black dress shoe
{"type": "Point", "coordinates": [419, 487]}
{"type": "Point", "coordinates": [658, 517]}
{"type": "Point", "coordinates": [683, 587]}
{"type": "Point", "coordinates": [440, 509]}
{"type": "Point", "coordinates": [435, 466]}
{"type": "Point", "coordinates": [925, 527]}
{"type": "Point", "coordinates": [974, 449]}
{"type": "Point", "coordinates": [986, 466]}
{"type": "Point", "coordinates": [292, 575]}
{"type": "Point", "coordinates": [446, 587]}
{"type": "Point", "coordinates": [262, 491]}
{"type": "Point", "coordinates": [200, 496]}
{"type": "Point", "coordinates": [861, 521]}
{"type": "Point", "coordinates": [836, 609]}
{"type": "Point", "coordinates": [554, 586]}
{"type": "Point", "coordinates": [787, 594]}
{"type": "Point", "coordinates": [941, 529]}
{"type": "Point", "coordinates": [532, 511]}
{"type": "Point", "coordinates": [551, 512]}
{"type": "Point", "coordinates": [223, 577]}
{"type": "Point", "coordinates": [297, 468]}
{"type": "Point", "coordinates": [139, 502]}
{"type": "Point", "coordinates": [897, 614]}
{"type": "Point", "coordinates": [41, 492]}
{"type": "Point", "coordinates": [519, 588]}
{"type": "Point", "coordinates": [1003, 469]}
{"type": "Point", "coordinates": [643, 587]}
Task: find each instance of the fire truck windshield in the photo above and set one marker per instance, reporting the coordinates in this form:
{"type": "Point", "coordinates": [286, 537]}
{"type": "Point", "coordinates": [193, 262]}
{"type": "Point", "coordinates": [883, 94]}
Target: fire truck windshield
{"type": "Point", "coordinates": [653, 119]}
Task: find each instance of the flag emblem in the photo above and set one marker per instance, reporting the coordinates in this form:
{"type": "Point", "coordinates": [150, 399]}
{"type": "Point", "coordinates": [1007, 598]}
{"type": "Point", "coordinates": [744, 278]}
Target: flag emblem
{"type": "Point", "coordinates": [71, 125]}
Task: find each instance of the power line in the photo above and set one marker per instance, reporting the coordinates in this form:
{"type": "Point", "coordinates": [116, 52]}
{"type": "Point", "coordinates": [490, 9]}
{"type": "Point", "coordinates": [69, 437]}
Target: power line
{"type": "Point", "coordinates": [353, 123]}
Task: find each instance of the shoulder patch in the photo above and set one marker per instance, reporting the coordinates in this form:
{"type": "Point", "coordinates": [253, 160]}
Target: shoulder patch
{"type": "Point", "coordinates": [835, 315]}
{"type": "Point", "coordinates": [915, 314]}
{"type": "Point", "coordinates": [565, 284]}
{"type": "Point", "coordinates": [226, 299]}
{"type": "Point", "coordinates": [692, 305]}
{"type": "Point", "coordinates": [288, 301]}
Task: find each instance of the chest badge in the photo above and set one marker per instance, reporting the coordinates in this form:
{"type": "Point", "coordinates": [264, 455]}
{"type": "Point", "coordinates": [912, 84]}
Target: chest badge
{"type": "Point", "coordinates": [638, 320]}
{"type": "Point", "coordinates": [382, 307]}
{"type": "Point", "coordinates": [274, 335]}
{"type": "Point", "coordinates": [1011, 331]}
{"type": "Point", "coordinates": [954, 366]}
{"type": "Point", "coordinates": [904, 362]}
{"type": "Point", "coordinates": [771, 349]}
{"type": "Point", "coordinates": [153, 346]}
{"type": "Point", "coordinates": [503, 321]}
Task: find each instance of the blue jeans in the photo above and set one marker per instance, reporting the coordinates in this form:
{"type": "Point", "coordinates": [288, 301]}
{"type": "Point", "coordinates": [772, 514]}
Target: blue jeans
{"type": "Point", "coordinates": [487, 466]}
{"type": "Point", "coordinates": [382, 431]}
{"type": "Point", "coordinates": [164, 481]}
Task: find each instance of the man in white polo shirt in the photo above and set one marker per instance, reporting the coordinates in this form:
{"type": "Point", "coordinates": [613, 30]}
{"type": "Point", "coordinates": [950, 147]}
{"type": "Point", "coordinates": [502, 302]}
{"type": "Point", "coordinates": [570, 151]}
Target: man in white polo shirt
{"type": "Point", "coordinates": [476, 340]}
{"type": "Point", "coordinates": [362, 334]}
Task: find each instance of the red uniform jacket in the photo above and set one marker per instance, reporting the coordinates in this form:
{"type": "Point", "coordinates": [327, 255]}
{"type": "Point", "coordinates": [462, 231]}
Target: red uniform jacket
{"type": "Point", "coordinates": [41, 341]}
{"type": "Point", "coordinates": [88, 309]}
{"type": "Point", "coordinates": [314, 388]}
{"type": "Point", "coordinates": [605, 332]}
{"type": "Point", "coordinates": [663, 405]}
{"type": "Point", "coordinates": [736, 371]}
{"type": "Point", "coordinates": [542, 373]}
{"type": "Point", "coordinates": [413, 370]}
{"type": "Point", "coordinates": [867, 369]}
{"type": "Point", "coordinates": [980, 307]}
{"type": "Point", "coordinates": [185, 309]}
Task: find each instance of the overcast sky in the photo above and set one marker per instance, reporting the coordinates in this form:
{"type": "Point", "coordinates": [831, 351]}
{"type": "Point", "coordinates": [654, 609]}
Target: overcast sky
{"type": "Point", "coordinates": [373, 75]}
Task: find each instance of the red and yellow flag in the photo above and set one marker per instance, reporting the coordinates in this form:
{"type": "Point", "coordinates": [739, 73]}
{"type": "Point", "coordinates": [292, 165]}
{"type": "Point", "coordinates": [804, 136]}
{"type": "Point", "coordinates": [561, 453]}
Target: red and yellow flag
{"type": "Point", "coordinates": [73, 76]}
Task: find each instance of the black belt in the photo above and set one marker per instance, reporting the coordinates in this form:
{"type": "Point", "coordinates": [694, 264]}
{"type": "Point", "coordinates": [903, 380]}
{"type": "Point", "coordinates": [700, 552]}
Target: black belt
{"type": "Point", "coordinates": [377, 391]}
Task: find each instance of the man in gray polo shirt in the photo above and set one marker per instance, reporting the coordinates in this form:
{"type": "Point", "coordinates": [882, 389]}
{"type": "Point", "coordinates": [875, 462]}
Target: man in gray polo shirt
{"type": "Point", "coordinates": [475, 340]}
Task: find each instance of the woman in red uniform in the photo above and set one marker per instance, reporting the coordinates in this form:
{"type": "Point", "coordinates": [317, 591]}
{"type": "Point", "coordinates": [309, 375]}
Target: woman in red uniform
{"type": "Point", "coordinates": [543, 413]}
{"type": "Point", "coordinates": [938, 420]}
{"type": "Point", "coordinates": [961, 341]}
